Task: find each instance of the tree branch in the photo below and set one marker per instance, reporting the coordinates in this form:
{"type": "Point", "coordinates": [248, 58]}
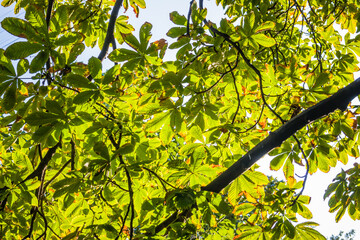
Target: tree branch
{"type": "Point", "coordinates": [47, 19]}
{"type": "Point", "coordinates": [110, 30]}
{"type": "Point", "coordinates": [44, 162]}
{"type": "Point", "coordinates": [339, 100]}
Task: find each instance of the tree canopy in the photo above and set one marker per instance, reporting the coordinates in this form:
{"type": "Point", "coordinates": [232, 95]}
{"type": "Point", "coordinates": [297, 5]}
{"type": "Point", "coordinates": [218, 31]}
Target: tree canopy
{"type": "Point", "coordinates": [153, 148]}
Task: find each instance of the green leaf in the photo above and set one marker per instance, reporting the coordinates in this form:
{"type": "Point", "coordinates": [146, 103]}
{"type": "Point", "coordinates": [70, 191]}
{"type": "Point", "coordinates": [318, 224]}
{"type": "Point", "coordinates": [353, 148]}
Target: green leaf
{"type": "Point", "coordinates": [306, 231]}
{"type": "Point", "coordinates": [122, 26]}
{"type": "Point", "coordinates": [75, 51]}
{"type": "Point", "coordinates": [176, 32]}
{"type": "Point", "coordinates": [347, 130]}
{"type": "Point", "coordinates": [111, 74]}
{"type": "Point", "coordinates": [145, 35]}
{"type": "Point", "coordinates": [95, 67]}
{"type": "Point", "coordinates": [124, 149]}
{"type": "Point", "coordinates": [36, 18]}
{"type": "Point", "coordinates": [266, 26]}
{"type": "Point", "coordinates": [39, 61]}
{"type": "Point", "coordinates": [10, 97]}
{"type": "Point", "coordinates": [181, 42]}
{"type": "Point", "coordinates": [178, 19]}
{"type": "Point", "coordinates": [68, 39]}
{"type": "Point", "coordinates": [54, 107]}
{"type": "Point", "coordinates": [140, 3]}
{"type": "Point", "coordinates": [22, 67]}
{"type": "Point", "coordinates": [322, 79]}
{"type": "Point", "coordinates": [154, 60]}
{"type": "Point", "coordinates": [257, 178]}
{"type": "Point", "coordinates": [42, 133]}
{"type": "Point", "coordinates": [196, 133]}
{"type": "Point", "coordinates": [330, 189]}
{"type": "Point", "coordinates": [6, 66]}
{"type": "Point", "coordinates": [132, 42]}
{"type": "Point", "coordinates": [101, 149]}
{"type": "Point", "coordinates": [304, 212]}
{"type": "Point", "coordinates": [79, 81]}
{"type": "Point", "coordinates": [83, 97]}
{"type": "Point", "coordinates": [189, 148]}
{"type": "Point", "coordinates": [278, 161]}
{"type": "Point", "coordinates": [288, 169]}
{"type": "Point", "coordinates": [7, 3]}
{"type": "Point", "coordinates": [40, 118]}
{"type": "Point", "coordinates": [19, 27]}
{"type": "Point", "coordinates": [244, 209]}
{"type": "Point", "coordinates": [61, 15]}
{"type": "Point", "coordinates": [340, 213]}
{"type": "Point", "coordinates": [122, 54]}
{"type": "Point", "coordinates": [264, 40]}
{"type": "Point", "coordinates": [166, 134]}
{"type": "Point", "coordinates": [289, 229]}
{"type": "Point", "coordinates": [158, 121]}
{"type": "Point", "coordinates": [80, 220]}
{"type": "Point", "coordinates": [22, 49]}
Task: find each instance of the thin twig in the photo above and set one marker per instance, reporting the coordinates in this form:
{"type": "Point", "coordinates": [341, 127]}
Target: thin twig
{"type": "Point", "coordinates": [188, 19]}
{"type": "Point", "coordinates": [221, 77]}
{"type": "Point", "coordinates": [307, 170]}
{"type": "Point", "coordinates": [131, 192]}
{"type": "Point", "coordinates": [162, 181]}
{"type": "Point", "coordinates": [57, 174]}
{"type": "Point", "coordinates": [336, 17]}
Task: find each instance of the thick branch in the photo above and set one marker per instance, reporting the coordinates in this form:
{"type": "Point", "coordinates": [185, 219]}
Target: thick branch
{"type": "Point", "coordinates": [44, 162]}
{"type": "Point", "coordinates": [339, 100]}
{"type": "Point", "coordinates": [110, 31]}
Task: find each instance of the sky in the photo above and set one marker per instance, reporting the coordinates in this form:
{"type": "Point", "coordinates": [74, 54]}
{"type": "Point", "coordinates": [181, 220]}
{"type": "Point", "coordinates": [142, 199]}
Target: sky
{"type": "Point", "coordinates": [157, 13]}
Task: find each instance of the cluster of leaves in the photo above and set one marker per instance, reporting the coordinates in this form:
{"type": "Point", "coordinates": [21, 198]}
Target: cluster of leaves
{"type": "Point", "coordinates": [89, 150]}
{"type": "Point", "coordinates": [344, 192]}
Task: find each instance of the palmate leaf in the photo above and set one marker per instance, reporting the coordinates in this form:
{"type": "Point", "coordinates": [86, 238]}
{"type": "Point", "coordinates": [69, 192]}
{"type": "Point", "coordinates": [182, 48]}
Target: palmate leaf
{"type": "Point", "coordinates": [306, 231]}
{"type": "Point", "coordinates": [7, 3]}
{"type": "Point", "coordinates": [36, 18]}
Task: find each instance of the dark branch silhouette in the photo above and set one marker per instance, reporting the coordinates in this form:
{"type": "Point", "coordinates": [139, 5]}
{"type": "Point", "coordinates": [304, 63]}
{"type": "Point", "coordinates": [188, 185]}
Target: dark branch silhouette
{"type": "Point", "coordinates": [339, 100]}
{"type": "Point", "coordinates": [110, 30]}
